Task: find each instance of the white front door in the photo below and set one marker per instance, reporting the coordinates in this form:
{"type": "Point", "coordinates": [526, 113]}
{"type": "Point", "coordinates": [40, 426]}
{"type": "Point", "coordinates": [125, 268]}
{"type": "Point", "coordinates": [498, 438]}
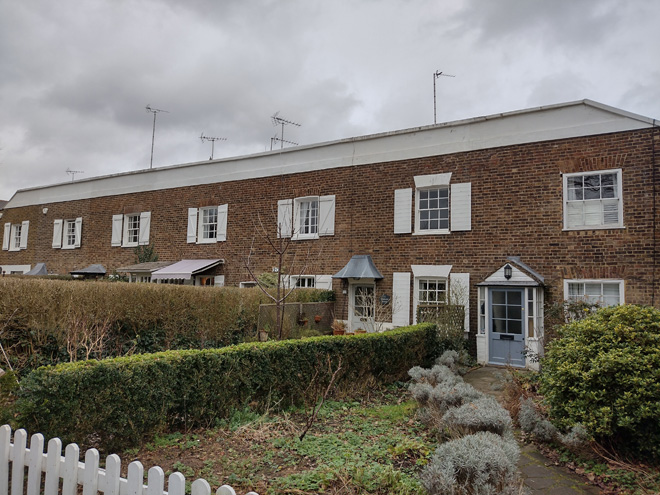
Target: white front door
{"type": "Point", "coordinates": [362, 307]}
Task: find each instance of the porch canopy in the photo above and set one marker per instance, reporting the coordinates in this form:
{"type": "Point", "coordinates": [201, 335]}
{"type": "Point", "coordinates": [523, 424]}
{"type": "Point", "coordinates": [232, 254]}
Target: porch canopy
{"type": "Point", "coordinates": [91, 270]}
{"type": "Point", "coordinates": [144, 268]}
{"type": "Point", "coordinates": [359, 266]}
{"type": "Point", "coordinates": [185, 269]}
{"type": "Point", "coordinates": [39, 269]}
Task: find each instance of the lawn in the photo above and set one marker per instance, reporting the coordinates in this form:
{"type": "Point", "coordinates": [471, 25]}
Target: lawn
{"type": "Point", "coordinates": [372, 445]}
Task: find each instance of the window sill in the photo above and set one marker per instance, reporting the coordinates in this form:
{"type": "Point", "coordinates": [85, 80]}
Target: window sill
{"type": "Point", "coordinates": [67, 247]}
{"type": "Point", "coordinates": [130, 245]}
{"type": "Point", "coordinates": [594, 227]}
{"type": "Point", "coordinates": [432, 232]}
{"type": "Point", "coordinates": [207, 241]}
{"type": "Point", "coordinates": [305, 237]}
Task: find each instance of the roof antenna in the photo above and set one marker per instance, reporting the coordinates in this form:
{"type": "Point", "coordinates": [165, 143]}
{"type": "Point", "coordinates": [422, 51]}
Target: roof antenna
{"type": "Point", "coordinates": [281, 121]}
{"type": "Point", "coordinates": [153, 133]}
{"type": "Point", "coordinates": [436, 75]}
{"type": "Point", "coordinates": [213, 140]}
{"type": "Point", "coordinates": [73, 173]}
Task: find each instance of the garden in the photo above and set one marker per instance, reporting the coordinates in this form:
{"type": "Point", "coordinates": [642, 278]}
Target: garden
{"type": "Point", "coordinates": [179, 379]}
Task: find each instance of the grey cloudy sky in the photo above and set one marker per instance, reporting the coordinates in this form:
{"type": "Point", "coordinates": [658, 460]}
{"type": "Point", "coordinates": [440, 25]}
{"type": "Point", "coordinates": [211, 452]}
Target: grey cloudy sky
{"type": "Point", "coordinates": [75, 76]}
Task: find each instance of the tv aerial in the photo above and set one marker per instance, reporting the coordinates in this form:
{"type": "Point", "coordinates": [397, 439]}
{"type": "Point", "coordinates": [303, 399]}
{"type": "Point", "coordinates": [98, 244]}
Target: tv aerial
{"type": "Point", "coordinates": [213, 140]}
{"type": "Point", "coordinates": [277, 120]}
{"type": "Point", "coordinates": [436, 75]}
{"type": "Point", "coordinates": [73, 173]}
{"type": "Point", "coordinates": [153, 133]}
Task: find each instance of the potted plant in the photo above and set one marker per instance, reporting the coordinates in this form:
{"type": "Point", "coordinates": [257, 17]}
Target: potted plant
{"type": "Point", "coordinates": [318, 318]}
{"type": "Point", "coordinates": [338, 327]}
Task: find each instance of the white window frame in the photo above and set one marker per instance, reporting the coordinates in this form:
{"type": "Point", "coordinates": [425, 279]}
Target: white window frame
{"type": "Point", "coordinates": [584, 282]}
{"type": "Point", "coordinates": [196, 224]}
{"type": "Point", "coordinates": [15, 237]}
{"type": "Point", "coordinates": [439, 209]}
{"type": "Point", "coordinates": [602, 201]}
{"type": "Point", "coordinates": [121, 226]}
{"type": "Point", "coordinates": [307, 229]}
{"type": "Point", "coordinates": [304, 281]}
{"type": "Point", "coordinates": [289, 210]}
{"type": "Point", "coordinates": [131, 229]}
{"type": "Point", "coordinates": [203, 223]}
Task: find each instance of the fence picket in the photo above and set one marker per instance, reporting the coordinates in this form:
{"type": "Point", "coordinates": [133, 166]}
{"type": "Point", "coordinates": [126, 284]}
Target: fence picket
{"type": "Point", "coordinates": [35, 461]}
{"type": "Point", "coordinates": [109, 479]}
{"type": "Point", "coordinates": [74, 473]}
{"type": "Point", "coordinates": [17, 455]}
{"type": "Point", "coordinates": [53, 462]}
{"type": "Point", "coordinates": [5, 438]}
{"type": "Point", "coordinates": [176, 484]}
{"type": "Point", "coordinates": [200, 487]}
{"type": "Point", "coordinates": [155, 481]}
{"type": "Point", "coordinates": [91, 476]}
{"type": "Point", "coordinates": [70, 472]}
{"type": "Point", "coordinates": [134, 479]}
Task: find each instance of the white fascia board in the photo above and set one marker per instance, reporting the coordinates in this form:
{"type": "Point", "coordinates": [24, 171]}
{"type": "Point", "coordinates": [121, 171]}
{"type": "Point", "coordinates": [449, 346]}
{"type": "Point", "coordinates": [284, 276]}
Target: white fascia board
{"type": "Point", "coordinates": [582, 118]}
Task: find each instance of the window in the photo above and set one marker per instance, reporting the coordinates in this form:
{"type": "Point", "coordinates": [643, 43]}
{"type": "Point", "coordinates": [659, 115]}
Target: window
{"type": "Point", "coordinates": [593, 200]}
{"type": "Point", "coordinates": [15, 236]}
{"type": "Point", "coordinates": [207, 225]}
{"type": "Point", "coordinates": [433, 209]}
{"type": "Point", "coordinates": [131, 230]}
{"type": "Point", "coordinates": [439, 207]}
{"type": "Point", "coordinates": [67, 233]}
{"type": "Point", "coordinates": [310, 216]}
{"type": "Point", "coordinates": [601, 292]}
{"type": "Point", "coordinates": [306, 282]}
{"type": "Point", "coordinates": [432, 291]}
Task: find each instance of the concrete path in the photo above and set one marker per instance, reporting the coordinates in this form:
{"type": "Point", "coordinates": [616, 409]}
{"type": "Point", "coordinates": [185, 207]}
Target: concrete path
{"type": "Point", "coordinates": [540, 476]}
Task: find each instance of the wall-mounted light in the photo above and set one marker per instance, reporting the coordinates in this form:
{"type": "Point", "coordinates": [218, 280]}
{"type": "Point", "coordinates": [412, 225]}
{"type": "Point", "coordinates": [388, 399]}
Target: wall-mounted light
{"type": "Point", "coordinates": [508, 272]}
{"type": "Point", "coordinates": [45, 210]}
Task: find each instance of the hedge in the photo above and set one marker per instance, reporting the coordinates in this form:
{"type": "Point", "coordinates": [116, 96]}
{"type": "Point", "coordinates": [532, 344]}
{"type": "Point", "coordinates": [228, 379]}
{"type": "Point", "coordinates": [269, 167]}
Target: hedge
{"type": "Point", "coordinates": [50, 321]}
{"type": "Point", "coordinates": [604, 373]}
{"type": "Point", "coordinates": [115, 403]}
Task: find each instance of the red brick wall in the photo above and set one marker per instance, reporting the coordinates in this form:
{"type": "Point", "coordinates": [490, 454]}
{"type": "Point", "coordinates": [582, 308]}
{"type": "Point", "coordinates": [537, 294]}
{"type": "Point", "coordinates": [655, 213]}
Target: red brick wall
{"type": "Point", "coordinates": [516, 211]}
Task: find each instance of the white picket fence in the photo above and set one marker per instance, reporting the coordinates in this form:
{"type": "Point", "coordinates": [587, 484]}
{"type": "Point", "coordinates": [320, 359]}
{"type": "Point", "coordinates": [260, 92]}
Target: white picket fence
{"type": "Point", "coordinates": [74, 473]}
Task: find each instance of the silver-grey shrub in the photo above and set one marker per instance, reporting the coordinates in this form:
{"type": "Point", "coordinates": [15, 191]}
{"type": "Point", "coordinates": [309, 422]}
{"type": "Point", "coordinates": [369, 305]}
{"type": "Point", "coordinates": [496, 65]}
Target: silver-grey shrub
{"type": "Point", "coordinates": [433, 376]}
{"type": "Point", "coordinates": [532, 423]}
{"type": "Point", "coordinates": [577, 437]}
{"type": "Point", "coordinates": [479, 464]}
{"type": "Point", "coordinates": [483, 414]}
{"type": "Point", "coordinates": [456, 361]}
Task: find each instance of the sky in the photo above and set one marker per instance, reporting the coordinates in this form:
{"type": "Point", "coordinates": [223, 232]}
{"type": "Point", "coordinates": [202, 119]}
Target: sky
{"type": "Point", "coordinates": [76, 76]}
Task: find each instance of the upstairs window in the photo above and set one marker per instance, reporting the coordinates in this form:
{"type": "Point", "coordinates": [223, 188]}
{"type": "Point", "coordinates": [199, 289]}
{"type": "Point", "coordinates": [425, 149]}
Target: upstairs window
{"type": "Point", "coordinates": [15, 236]}
{"type": "Point", "coordinates": [433, 209]}
{"type": "Point", "coordinates": [131, 230]}
{"type": "Point", "coordinates": [593, 200]}
{"type": "Point", "coordinates": [308, 217]}
{"type": "Point", "coordinates": [67, 233]}
{"type": "Point", "coordinates": [207, 225]}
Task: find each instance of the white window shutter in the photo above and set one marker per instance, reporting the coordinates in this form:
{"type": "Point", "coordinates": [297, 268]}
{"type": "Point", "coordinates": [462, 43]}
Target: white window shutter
{"type": "Point", "coordinates": [401, 299]}
{"type": "Point", "coordinates": [459, 293]}
{"type": "Point", "coordinates": [284, 217]}
{"type": "Point", "coordinates": [5, 237]}
{"type": "Point", "coordinates": [222, 222]}
{"type": "Point", "coordinates": [327, 215]}
{"type": "Point", "coordinates": [323, 282]}
{"type": "Point", "coordinates": [117, 228]}
{"type": "Point", "coordinates": [461, 207]}
{"type": "Point", "coordinates": [219, 281]}
{"type": "Point", "coordinates": [57, 234]}
{"type": "Point", "coordinates": [78, 232]}
{"type": "Point", "coordinates": [24, 234]}
{"type": "Point", "coordinates": [402, 211]}
{"type": "Point", "coordinates": [192, 225]}
{"type": "Point", "coordinates": [145, 226]}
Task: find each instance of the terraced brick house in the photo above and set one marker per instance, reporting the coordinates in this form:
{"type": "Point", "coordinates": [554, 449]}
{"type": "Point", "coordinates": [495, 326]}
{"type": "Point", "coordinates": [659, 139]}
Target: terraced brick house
{"type": "Point", "coordinates": [501, 214]}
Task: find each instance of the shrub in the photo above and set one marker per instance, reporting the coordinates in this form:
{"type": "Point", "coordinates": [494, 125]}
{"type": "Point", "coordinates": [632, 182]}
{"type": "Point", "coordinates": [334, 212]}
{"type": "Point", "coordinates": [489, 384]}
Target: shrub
{"type": "Point", "coordinates": [119, 401]}
{"type": "Point", "coordinates": [479, 464]}
{"type": "Point", "coordinates": [433, 376]}
{"type": "Point", "coordinates": [483, 414]}
{"type": "Point", "coordinates": [50, 321]}
{"type": "Point", "coordinates": [604, 373]}
{"type": "Point", "coordinates": [533, 423]}
{"type": "Point", "coordinates": [457, 361]}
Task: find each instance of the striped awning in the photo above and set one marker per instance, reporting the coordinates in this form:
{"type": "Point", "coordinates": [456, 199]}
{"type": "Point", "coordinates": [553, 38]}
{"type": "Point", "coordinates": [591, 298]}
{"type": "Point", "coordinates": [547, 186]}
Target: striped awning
{"type": "Point", "coordinates": [184, 269]}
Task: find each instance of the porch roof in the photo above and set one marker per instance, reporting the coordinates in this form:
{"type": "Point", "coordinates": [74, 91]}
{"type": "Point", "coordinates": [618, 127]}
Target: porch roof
{"type": "Point", "coordinates": [185, 269]}
{"type": "Point", "coordinates": [359, 266]}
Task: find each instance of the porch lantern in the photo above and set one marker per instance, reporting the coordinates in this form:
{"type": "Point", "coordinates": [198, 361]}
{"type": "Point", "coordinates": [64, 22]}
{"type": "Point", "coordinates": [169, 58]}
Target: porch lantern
{"type": "Point", "coordinates": [508, 272]}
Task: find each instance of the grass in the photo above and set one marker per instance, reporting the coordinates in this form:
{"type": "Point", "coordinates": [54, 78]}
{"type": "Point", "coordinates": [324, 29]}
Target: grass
{"type": "Point", "coordinates": [374, 445]}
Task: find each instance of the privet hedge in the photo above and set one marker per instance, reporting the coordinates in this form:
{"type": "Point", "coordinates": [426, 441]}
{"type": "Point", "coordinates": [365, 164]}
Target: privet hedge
{"type": "Point", "coordinates": [604, 373]}
{"type": "Point", "coordinates": [115, 403]}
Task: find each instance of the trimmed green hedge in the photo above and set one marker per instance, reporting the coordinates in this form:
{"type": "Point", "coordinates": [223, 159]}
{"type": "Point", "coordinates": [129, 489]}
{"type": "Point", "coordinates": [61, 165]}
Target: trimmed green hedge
{"type": "Point", "coordinates": [116, 402]}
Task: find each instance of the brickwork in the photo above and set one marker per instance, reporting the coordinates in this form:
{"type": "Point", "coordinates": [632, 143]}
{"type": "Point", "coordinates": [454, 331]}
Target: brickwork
{"type": "Point", "coordinates": [516, 211]}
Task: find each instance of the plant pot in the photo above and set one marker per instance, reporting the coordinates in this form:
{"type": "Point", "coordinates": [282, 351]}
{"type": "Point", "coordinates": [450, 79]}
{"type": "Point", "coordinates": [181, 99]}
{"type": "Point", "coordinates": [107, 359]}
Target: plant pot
{"type": "Point", "coordinates": [318, 318]}
{"type": "Point", "coordinates": [360, 330]}
{"type": "Point", "coordinates": [338, 332]}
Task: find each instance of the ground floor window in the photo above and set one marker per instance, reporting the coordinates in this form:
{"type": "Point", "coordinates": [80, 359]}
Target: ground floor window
{"type": "Point", "coordinates": [432, 291]}
{"type": "Point", "coordinates": [306, 282]}
{"type": "Point", "coordinates": [600, 292]}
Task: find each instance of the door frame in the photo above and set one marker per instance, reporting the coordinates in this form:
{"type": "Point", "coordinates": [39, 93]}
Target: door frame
{"type": "Point", "coordinates": [351, 302]}
{"type": "Point", "coordinates": [523, 321]}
